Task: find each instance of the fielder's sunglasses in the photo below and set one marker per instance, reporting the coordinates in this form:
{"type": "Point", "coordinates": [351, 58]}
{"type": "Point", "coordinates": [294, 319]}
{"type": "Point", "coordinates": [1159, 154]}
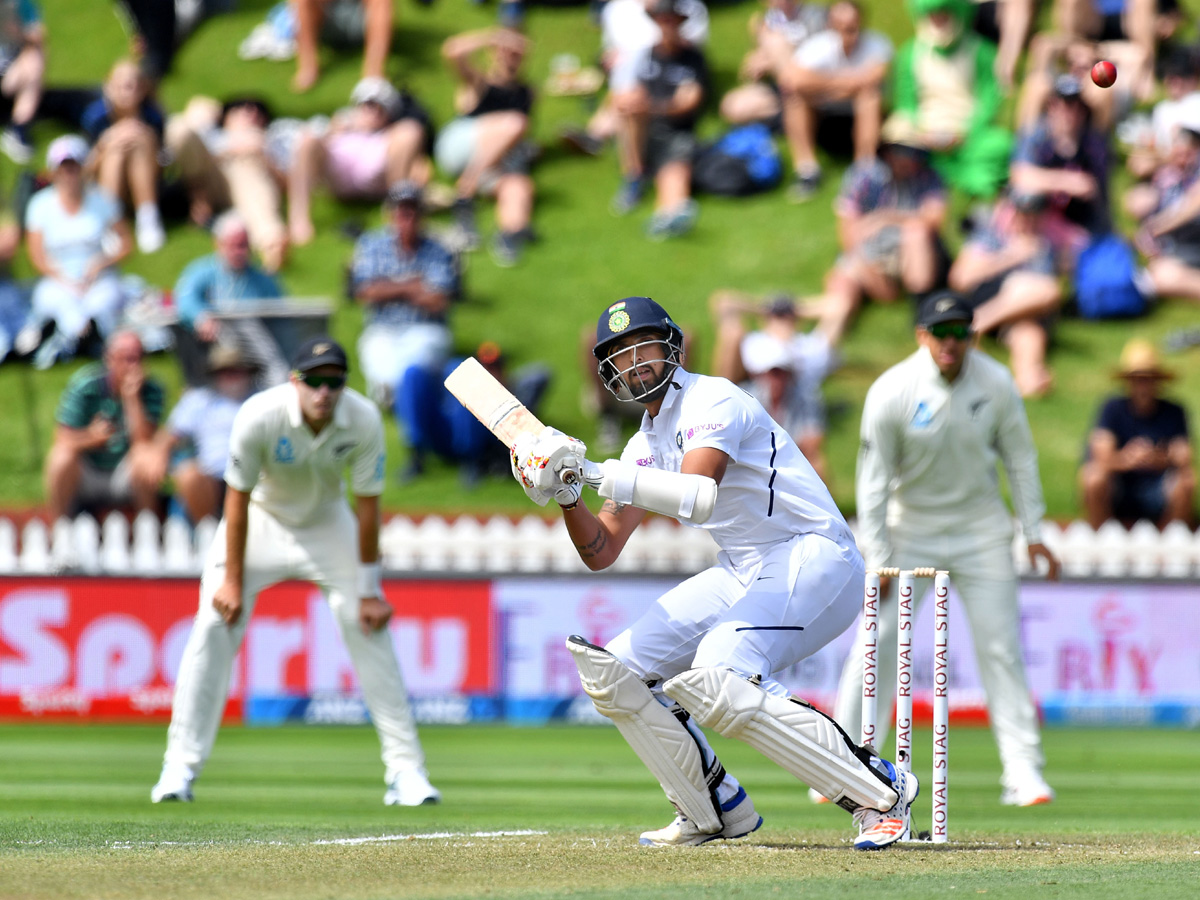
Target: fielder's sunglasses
{"type": "Point", "coordinates": [316, 382]}
{"type": "Point", "coordinates": [958, 330]}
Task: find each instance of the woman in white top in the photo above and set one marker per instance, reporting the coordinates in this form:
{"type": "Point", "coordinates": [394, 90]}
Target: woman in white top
{"type": "Point", "coordinates": [76, 238]}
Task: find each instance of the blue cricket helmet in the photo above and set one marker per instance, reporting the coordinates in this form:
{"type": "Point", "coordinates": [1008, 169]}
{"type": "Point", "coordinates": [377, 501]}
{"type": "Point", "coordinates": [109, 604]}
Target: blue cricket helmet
{"type": "Point", "coordinates": [634, 314]}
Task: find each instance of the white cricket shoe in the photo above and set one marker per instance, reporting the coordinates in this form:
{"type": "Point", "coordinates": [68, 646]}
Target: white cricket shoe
{"type": "Point", "coordinates": [876, 829]}
{"type": "Point", "coordinates": [737, 816]}
{"type": "Point", "coordinates": [1029, 790]}
{"type": "Point", "coordinates": [175, 783]}
{"type": "Point", "coordinates": [411, 788]}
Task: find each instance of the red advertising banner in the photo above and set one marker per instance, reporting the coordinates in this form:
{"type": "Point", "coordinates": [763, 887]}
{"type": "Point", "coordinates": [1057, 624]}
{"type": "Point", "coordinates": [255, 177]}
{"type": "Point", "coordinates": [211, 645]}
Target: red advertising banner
{"type": "Point", "coordinates": [110, 648]}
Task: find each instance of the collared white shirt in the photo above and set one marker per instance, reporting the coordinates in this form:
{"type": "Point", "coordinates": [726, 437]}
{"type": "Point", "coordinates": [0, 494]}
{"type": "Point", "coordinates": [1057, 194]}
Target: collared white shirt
{"type": "Point", "coordinates": [293, 474]}
{"type": "Point", "coordinates": [769, 493]}
{"type": "Point", "coordinates": [928, 453]}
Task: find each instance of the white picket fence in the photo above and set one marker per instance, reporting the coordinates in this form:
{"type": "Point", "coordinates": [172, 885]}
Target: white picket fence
{"type": "Point", "coordinates": [468, 546]}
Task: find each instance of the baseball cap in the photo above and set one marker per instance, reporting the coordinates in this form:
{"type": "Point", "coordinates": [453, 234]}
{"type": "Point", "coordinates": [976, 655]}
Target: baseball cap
{"type": "Point", "coordinates": [781, 305]}
{"type": "Point", "coordinates": [69, 147]}
{"type": "Point", "coordinates": [762, 353]}
{"type": "Point", "coordinates": [1068, 87]}
{"type": "Point", "coordinates": [944, 306]}
{"type": "Point", "coordinates": [376, 90]}
{"type": "Point", "coordinates": [319, 351]}
{"type": "Point", "coordinates": [657, 8]}
{"type": "Point", "coordinates": [405, 192]}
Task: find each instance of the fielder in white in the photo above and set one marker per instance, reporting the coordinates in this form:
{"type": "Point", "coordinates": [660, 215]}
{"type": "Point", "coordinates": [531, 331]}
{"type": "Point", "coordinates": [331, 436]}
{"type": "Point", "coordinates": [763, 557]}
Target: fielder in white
{"type": "Point", "coordinates": [933, 428]}
{"type": "Point", "coordinates": [286, 517]}
{"type": "Point", "coordinates": [789, 580]}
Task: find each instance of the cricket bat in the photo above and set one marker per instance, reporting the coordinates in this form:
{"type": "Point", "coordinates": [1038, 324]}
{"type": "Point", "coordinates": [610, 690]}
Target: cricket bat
{"type": "Point", "coordinates": [508, 418]}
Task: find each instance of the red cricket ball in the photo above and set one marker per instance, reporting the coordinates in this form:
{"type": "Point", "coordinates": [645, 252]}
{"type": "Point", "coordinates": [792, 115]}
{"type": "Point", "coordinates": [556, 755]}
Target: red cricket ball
{"type": "Point", "coordinates": [1104, 73]}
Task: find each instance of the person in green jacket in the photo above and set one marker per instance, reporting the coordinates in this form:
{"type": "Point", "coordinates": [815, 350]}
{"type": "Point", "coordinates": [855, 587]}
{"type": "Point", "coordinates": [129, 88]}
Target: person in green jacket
{"type": "Point", "coordinates": [946, 96]}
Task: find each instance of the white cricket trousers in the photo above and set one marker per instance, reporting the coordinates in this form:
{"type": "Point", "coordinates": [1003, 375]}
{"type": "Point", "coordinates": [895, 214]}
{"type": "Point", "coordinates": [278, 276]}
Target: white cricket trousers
{"type": "Point", "coordinates": [757, 620]}
{"type": "Point", "coordinates": [325, 554]}
{"type": "Point", "coordinates": [981, 569]}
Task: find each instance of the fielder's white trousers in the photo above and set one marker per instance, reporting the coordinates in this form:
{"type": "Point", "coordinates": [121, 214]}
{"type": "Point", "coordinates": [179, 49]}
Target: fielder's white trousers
{"type": "Point", "coordinates": [981, 569]}
{"type": "Point", "coordinates": [757, 620]}
{"type": "Point", "coordinates": [325, 554]}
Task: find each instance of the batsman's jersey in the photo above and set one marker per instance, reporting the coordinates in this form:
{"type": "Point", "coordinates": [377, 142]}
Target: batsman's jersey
{"type": "Point", "coordinates": [769, 493]}
{"type": "Point", "coordinates": [928, 453]}
{"type": "Point", "coordinates": [291, 473]}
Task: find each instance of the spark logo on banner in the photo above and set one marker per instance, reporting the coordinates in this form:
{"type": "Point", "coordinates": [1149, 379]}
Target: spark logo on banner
{"type": "Point", "coordinates": [111, 647]}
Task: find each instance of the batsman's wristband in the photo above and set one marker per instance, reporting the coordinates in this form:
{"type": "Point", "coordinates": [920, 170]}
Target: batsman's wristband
{"type": "Point", "coordinates": [574, 503]}
{"type": "Point", "coordinates": [370, 580]}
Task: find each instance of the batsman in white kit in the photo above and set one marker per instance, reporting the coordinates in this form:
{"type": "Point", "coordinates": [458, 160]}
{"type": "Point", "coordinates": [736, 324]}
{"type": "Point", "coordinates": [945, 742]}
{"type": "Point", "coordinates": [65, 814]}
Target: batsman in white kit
{"type": "Point", "coordinates": [788, 581]}
{"type": "Point", "coordinates": [286, 518]}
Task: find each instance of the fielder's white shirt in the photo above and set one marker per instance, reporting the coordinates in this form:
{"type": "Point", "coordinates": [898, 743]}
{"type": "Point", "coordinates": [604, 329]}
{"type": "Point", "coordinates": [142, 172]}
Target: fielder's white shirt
{"type": "Point", "coordinates": [928, 453]}
{"type": "Point", "coordinates": [291, 473]}
{"type": "Point", "coordinates": [769, 493]}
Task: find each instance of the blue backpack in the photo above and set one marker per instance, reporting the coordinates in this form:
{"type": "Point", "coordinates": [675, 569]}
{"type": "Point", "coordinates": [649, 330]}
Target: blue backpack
{"type": "Point", "coordinates": [743, 161]}
{"type": "Point", "coordinates": [1104, 280]}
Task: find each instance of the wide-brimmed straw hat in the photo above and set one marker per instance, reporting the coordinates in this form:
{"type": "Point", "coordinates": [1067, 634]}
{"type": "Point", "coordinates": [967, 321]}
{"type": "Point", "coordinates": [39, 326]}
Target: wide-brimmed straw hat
{"type": "Point", "coordinates": [1140, 359]}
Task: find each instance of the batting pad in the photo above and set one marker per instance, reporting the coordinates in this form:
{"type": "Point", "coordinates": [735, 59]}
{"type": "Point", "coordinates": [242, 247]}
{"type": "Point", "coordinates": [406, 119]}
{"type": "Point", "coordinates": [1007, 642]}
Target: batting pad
{"type": "Point", "coordinates": [657, 736]}
{"type": "Point", "coordinates": [803, 740]}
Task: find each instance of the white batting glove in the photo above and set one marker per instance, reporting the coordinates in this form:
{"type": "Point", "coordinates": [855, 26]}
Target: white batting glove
{"type": "Point", "coordinates": [518, 457]}
{"type": "Point", "coordinates": [555, 466]}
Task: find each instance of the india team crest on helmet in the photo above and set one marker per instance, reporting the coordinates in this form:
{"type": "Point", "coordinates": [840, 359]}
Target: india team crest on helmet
{"type": "Point", "coordinates": [618, 320]}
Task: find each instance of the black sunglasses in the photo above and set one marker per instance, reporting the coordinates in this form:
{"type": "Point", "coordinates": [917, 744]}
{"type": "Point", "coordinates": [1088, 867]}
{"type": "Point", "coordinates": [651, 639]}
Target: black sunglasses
{"type": "Point", "coordinates": [958, 330]}
{"type": "Point", "coordinates": [316, 382]}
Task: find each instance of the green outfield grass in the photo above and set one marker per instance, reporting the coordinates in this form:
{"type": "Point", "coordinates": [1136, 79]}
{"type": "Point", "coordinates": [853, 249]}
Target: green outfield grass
{"type": "Point", "coordinates": [76, 821]}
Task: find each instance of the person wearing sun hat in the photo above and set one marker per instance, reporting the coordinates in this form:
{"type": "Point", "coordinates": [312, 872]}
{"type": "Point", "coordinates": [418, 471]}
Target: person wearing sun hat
{"type": "Point", "coordinates": [1139, 453]}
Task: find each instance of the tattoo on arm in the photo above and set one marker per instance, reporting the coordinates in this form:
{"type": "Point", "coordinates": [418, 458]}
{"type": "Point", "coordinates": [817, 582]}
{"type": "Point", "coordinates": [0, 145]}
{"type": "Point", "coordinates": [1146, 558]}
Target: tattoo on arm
{"type": "Point", "coordinates": [612, 506]}
{"type": "Point", "coordinates": [593, 547]}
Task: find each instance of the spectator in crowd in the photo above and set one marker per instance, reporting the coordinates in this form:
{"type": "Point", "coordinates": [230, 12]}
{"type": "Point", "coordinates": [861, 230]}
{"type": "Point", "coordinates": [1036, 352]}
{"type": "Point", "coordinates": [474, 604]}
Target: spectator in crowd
{"type": "Point", "coordinates": [626, 35]}
{"type": "Point", "coordinates": [777, 32]}
{"type": "Point", "coordinates": [125, 127]}
{"type": "Point", "coordinates": [947, 93]}
{"type": "Point", "coordinates": [103, 452]}
{"type": "Point", "coordinates": [779, 365]}
{"type": "Point", "coordinates": [68, 226]}
{"type": "Point", "coordinates": [1168, 209]}
{"type": "Point", "coordinates": [1065, 157]}
{"type": "Point", "coordinates": [382, 139]}
{"type": "Point", "coordinates": [195, 441]}
{"type": "Point", "coordinates": [154, 37]}
{"type": "Point", "coordinates": [220, 282]}
{"type": "Point", "coordinates": [405, 281]}
{"type": "Point", "coordinates": [835, 78]}
{"type": "Point", "coordinates": [436, 424]}
{"type": "Point", "coordinates": [485, 146]}
{"type": "Point", "coordinates": [14, 308]}
{"type": "Point", "coordinates": [221, 154]}
{"type": "Point", "coordinates": [890, 212]}
{"type": "Point", "coordinates": [1135, 22]}
{"type": "Point", "coordinates": [1139, 454]}
{"type": "Point", "coordinates": [1005, 23]}
{"type": "Point", "coordinates": [661, 113]}
{"type": "Point", "coordinates": [1181, 101]}
{"type": "Point", "coordinates": [342, 23]}
{"type": "Point", "coordinates": [1051, 56]}
{"type": "Point", "coordinates": [1007, 274]}
{"type": "Point", "coordinates": [22, 66]}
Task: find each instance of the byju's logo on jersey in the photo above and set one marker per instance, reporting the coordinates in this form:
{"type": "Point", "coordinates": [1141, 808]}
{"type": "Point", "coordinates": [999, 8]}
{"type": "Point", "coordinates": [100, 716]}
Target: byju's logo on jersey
{"type": "Point", "coordinates": [284, 452]}
{"type": "Point", "coordinates": [922, 416]}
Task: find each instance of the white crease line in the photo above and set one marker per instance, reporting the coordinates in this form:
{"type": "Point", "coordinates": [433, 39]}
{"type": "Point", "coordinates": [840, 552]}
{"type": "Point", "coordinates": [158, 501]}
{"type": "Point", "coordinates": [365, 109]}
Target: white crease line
{"type": "Point", "coordinates": [433, 836]}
